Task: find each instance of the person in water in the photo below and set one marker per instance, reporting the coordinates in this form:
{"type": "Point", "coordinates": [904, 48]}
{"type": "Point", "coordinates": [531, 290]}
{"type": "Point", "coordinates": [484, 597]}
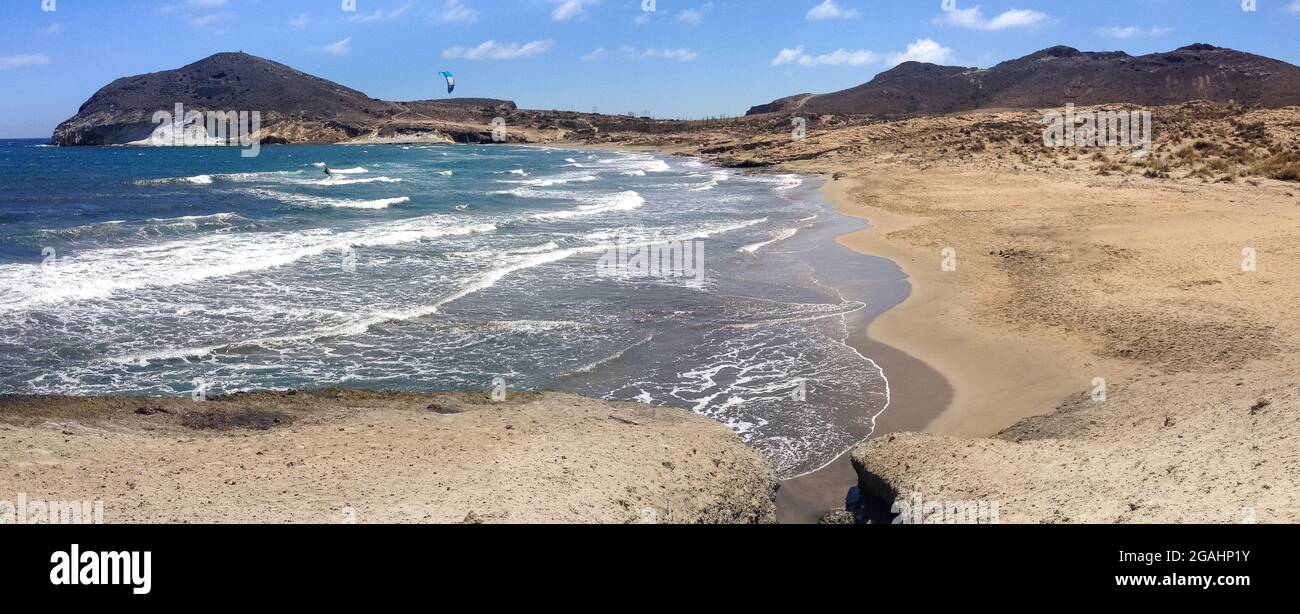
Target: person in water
{"type": "Point", "coordinates": [328, 173]}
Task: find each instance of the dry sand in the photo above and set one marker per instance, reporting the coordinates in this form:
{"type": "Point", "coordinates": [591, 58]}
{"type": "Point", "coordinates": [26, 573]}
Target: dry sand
{"type": "Point", "coordinates": [344, 456]}
{"type": "Point", "coordinates": [1063, 278]}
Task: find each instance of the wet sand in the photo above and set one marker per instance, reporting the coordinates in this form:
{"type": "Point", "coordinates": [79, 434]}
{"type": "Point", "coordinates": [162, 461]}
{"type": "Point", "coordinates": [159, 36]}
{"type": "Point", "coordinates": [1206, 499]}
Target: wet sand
{"type": "Point", "coordinates": [919, 394]}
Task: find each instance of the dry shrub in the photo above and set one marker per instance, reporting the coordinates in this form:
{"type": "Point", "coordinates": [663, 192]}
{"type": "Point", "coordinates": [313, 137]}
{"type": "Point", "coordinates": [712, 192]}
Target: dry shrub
{"type": "Point", "coordinates": [1283, 167]}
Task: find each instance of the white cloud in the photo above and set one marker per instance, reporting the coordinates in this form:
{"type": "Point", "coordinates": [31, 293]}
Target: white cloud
{"type": "Point", "coordinates": [201, 5]}
{"type": "Point", "coordinates": [691, 16]}
{"type": "Point", "coordinates": [19, 61]}
{"type": "Point", "coordinates": [923, 50]}
{"type": "Point", "coordinates": [492, 50]}
{"type": "Point", "coordinates": [342, 47]}
{"type": "Point", "coordinates": [1294, 7]}
{"type": "Point", "coordinates": [1132, 31]}
{"type": "Point", "coordinates": [204, 21]}
{"type": "Point", "coordinates": [382, 15]}
{"type": "Point", "coordinates": [455, 12]}
{"type": "Point", "coordinates": [595, 54]}
{"type": "Point", "coordinates": [570, 9]}
{"type": "Point", "coordinates": [680, 55]}
{"type": "Point", "coordinates": [831, 10]}
{"type": "Point", "coordinates": [54, 28]}
{"type": "Point", "coordinates": [839, 57]}
{"type": "Point", "coordinates": [974, 19]}
{"type": "Point", "coordinates": [300, 22]}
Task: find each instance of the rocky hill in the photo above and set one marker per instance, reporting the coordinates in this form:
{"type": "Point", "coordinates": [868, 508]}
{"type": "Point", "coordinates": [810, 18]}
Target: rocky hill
{"type": "Point", "coordinates": [1055, 76]}
{"type": "Point", "coordinates": [295, 106]}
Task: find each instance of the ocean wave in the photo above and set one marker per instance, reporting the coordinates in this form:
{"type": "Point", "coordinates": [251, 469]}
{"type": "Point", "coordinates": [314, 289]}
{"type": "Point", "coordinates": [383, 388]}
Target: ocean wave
{"type": "Point", "coordinates": [806, 313]}
{"type": "Point", "coordinates": [86, 230]}
{"type": "Point", "coordinates": [209, 179]}
{"type": "Point", "coordinates": [554, 181]}
{"type": "Point", "coordinates": [622, 201]}
{"type": "Point", "coordinates": [334, 182]}
{"type": "Point", "coordinates": [272, 177]}
{"type": "Point", "coordinates": [144, 227]}
{"type": "Point", "coordinates": [715, 179]}
{"type": "Point", "coordinates": [545, 247]}
{"type": "Point", "coordinates": [638, 162]}
{"type": "Point", "coordinates": [780, 183]}
{"type": "Point", "coordinates": [777, 238]}
{"type": "Point", "coordinates": [102, 273]}
{"type": "Point", "coordinates": [591, 367]}
{"type": "Point", "coordinates": [473, 285]}
{"type": "Point", "coordinates": [322, 202]}
{"type": "Point", "coordinates": [195, 180]}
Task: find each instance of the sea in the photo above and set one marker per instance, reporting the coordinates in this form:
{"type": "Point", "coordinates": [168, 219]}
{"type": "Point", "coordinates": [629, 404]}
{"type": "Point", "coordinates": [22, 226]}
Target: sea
{"type": "Point", "coordinates": [196, 272]}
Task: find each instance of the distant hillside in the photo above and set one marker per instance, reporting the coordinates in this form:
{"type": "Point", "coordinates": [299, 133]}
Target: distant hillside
{"type": "Point", "coordinates": [1055, 76]}
{"type": "Point", "coordinates": [295, 106]}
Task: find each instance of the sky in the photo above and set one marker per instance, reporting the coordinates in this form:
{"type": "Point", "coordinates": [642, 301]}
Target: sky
{"type": "Point", "coordinates": [671, 58]}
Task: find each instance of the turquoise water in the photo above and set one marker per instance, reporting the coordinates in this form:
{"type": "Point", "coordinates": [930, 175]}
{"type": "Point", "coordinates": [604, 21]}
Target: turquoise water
{"type": "Point", "coordinates": [166, 271]}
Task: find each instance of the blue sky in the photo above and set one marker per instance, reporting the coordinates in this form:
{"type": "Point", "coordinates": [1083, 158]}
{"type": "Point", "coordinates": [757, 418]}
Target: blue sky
{"type": "Point", "coordinates": [686, 58]}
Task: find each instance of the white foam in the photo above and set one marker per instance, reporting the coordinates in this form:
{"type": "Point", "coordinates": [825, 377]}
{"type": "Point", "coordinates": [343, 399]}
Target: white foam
{"type": "Point", "coordinates": [714, 180]}
{"type": "Point", "coordinates": [554, 181]}
{"type": "Point", "coordinates": [780, 236]}
{"type": "Point", "coordinates": [195, 180]}
{"type": "Point", "coordinates": [474, 285]}
{"type": "Point", "coordinates": [102, 273]}
{"type": "Point", "coordinates": [322, 202]}
{"type": "Point", "coordinates": [208, 179]}
{"type": "Point", "coordinates": [622, 201]}
{"type": "Point", "coordinates": [334, 182]}
{"type": "Point", "coordinates": [189, 219]}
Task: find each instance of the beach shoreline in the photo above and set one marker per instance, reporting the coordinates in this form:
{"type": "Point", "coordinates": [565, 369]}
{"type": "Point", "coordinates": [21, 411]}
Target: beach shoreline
{"type": "Point", "coordinates": [1057, 278]}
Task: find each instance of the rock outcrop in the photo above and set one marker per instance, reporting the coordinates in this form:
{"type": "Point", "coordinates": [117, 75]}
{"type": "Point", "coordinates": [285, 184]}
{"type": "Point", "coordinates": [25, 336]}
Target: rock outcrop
{"type": "Point", "coordinates": [1180, 450]}
{"type": "Point", "coordinates": [368, 457]}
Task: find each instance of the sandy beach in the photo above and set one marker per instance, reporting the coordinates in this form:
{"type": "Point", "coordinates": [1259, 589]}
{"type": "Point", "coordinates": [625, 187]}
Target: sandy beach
{"type": "Point", "coordinates": [1082, 343]}
{"type": "Point", "coordinates": [1066, 278]}
{"type": "Point", "coordinates": [354, 457]}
